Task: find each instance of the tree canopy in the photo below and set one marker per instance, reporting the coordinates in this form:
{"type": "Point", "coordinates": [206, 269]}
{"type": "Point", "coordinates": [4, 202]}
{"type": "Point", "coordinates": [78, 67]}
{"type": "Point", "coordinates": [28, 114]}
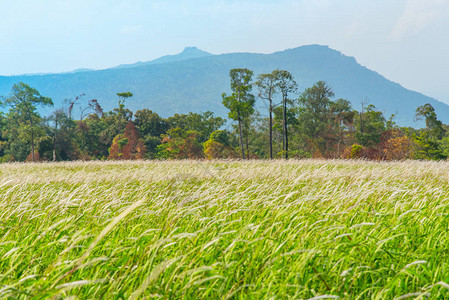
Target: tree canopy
{"type": "Point", "coordinates": [297, 124]}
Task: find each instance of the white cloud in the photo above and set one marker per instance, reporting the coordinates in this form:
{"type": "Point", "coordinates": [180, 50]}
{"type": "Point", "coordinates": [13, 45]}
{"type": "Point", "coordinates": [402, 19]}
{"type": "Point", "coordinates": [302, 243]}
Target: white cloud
{"type": "Point", "coordinates": [418, 15]}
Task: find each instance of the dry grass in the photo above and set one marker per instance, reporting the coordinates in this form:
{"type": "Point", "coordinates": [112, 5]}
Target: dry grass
{"type": "Point", "coordinates": [257, 229]}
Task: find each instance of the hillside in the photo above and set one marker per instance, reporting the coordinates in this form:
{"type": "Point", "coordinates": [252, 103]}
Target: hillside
{"type": "Point", "coordinates": [194, 81]}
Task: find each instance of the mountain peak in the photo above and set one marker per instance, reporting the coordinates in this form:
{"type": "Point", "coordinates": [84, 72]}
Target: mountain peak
{"type": "Point", "coordinates": [314, 48]}
{"type": "Point", "coordinates": [191, 50]}
{"type": "Point", "coordinates": [187, 53]}
{"type": "Point", "coordinates": [194, 52]}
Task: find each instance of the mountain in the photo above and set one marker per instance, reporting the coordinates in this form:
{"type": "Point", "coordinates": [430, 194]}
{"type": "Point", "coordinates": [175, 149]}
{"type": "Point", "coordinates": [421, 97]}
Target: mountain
{"type": "Point", "coordinates": [194, 81]}
{"type": "Point", "coordinates": [188, 53]}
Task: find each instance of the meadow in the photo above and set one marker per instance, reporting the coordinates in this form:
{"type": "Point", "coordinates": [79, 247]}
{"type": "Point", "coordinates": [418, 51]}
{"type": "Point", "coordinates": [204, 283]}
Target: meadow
{"type": "Point", "coordinates": [225, 230]}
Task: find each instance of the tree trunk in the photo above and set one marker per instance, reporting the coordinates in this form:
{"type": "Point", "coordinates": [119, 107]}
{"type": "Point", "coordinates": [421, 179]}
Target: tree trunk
{"type": "Point", "coordinates": [340, 133]}
{"type": "Point", "coordinates": [283, 130]}
{"type": "Point", "coordinates": [285, 126]}
{"type": "Point", "coordinates": [271, 131]}
{"type": "Point", "coordinates": [338, 148]}
{"type": "Point", "coordinates": [32, 139]}
{"type": "Point", "coordinates": [362, 125]}
{"type": "Point", "coordinates": [247, 145]}
{"type": "Point", "coordinates": [54, 150]}
{"type": "Point", "coordinates": [241, 135]}
{"type": "Point", "coordinates": [54, 140]}
{"type": "Point", "coordinates": [32, 145]}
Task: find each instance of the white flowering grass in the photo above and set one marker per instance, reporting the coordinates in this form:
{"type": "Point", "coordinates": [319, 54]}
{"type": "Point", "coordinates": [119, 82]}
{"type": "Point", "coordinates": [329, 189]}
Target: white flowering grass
{"type": "Point", "coordinates": [228, 230]}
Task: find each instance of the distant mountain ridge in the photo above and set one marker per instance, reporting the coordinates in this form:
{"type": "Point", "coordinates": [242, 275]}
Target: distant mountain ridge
{"type": "Point", "coordinates": [194, 80]}
{"type": "Point", "coordinates": [188, 53]}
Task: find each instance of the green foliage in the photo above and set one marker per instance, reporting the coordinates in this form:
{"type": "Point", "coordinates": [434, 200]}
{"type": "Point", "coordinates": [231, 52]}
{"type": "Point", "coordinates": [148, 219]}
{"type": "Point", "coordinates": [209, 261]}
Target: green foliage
{"type": "Point", "coordinates": [122, 98]}
{"type": "Point", "coordinates": [180, 144]}
{"type": "Point", "coordinates": [429, 142]}
{"type": "Point", "coordinates": [434, 127]}
{"type": "Point", "coordinates": [218, 146]}
{"type": "Point", "coordinates": [313, 126]}
{"type": "Point", "coordinates": [23, 101]}
{"type": "Point", "coordinates": [369, 124]}
{"type": "Point", "coordinates": [315, 109]}
{"type": "Point", "coordinates": [45, 148]}
{"type": "Point", "coordinates": [356, 151]}
{"type": "Point", "coordinates": [286, 84]}
{"type": "Point", "coordinates": [103, 130]}
{"type": "Point", "coordinates": [128, 145]}
{"type": "Point", "coordinates": [61, 128]}
{"type": "Point", "coordinates": [444, 146]}
{"type": "Point", "coordinates": [427, 148]}
{"type": "Point", "coordinates": [204, 123]}
{"type": "Point", "coordinates": [268, 87]}
{"type": "Point", "coordinates": [150, 123]}
{"type": "Point", "coordinates": [322, 122]}
{"type": "Point", "coordinates": [123, 113]}
{"type": "Point", "coordinates": [241, 102]}
{"type": "Point", "coordinates": [122, 142]}
{"type": "Point", "coordinates": [125, 95]}
{"type": "Point", "coordinates": [151, 143]}
{"type": "Point", "coordinates": [7, 158]}
{"type": "Point", "coordinates": [220, 136]}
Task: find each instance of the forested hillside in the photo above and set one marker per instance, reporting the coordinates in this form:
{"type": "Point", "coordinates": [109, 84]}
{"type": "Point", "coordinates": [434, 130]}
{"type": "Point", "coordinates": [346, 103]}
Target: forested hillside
{"type": "Point", "coordinates": [194, 80]}
{"type": "Point", "coordinates": [290, 122]}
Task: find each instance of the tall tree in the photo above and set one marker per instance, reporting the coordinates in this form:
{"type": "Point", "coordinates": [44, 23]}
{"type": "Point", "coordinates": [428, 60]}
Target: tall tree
{"type": "Point", "coordinates": [71, 103]}
{"type": "Point", "coordinates": [315, 114]}
{"type": "Point", "coordinates": [111, 123]}
{"type": "Point", "coordinates": [343, 115]}
{"type": "Point", "coordinates": [241, 102]}
{"type": "Point", "coordinates": [434, 126]}
{"type": "Point", "coordinates": [369, 125]}
{"type": "Point", "coordinates": [121, 105]}
{"type": "Point", "coordinates": [60, 127]}
{"type": "Point", "coordinates": [2, 138]}
{"type": "Point", "coordinates": [267, 85]}
{"type": "Point", "coordinates": [23, 101]}
{"type": "Point", "coordinates": [286, 85]}
{"type": "Point", "coordinates": [429, 141]}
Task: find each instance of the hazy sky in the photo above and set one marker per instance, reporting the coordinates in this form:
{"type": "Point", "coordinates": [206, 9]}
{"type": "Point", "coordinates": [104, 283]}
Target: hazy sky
{"type": "Point", "coordinates": [407, 41]}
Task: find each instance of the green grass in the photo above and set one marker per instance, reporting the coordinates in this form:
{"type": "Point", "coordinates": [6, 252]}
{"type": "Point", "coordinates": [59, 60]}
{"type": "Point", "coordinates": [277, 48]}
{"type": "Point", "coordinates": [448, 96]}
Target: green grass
{"type": "Point", "coordinates": [219, 230]}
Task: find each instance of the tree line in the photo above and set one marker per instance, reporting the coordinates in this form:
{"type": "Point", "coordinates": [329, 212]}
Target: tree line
{"type": "Point", "coordinates": [306, 124]}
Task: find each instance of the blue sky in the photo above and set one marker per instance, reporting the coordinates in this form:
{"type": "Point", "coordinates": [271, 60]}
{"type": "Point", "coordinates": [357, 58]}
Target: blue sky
{"type": "Point", "coordinates": [405, 40]}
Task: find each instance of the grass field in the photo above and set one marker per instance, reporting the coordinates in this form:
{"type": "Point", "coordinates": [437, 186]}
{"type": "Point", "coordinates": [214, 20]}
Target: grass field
{"type": "Point", "coordinates": [218, 230]}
